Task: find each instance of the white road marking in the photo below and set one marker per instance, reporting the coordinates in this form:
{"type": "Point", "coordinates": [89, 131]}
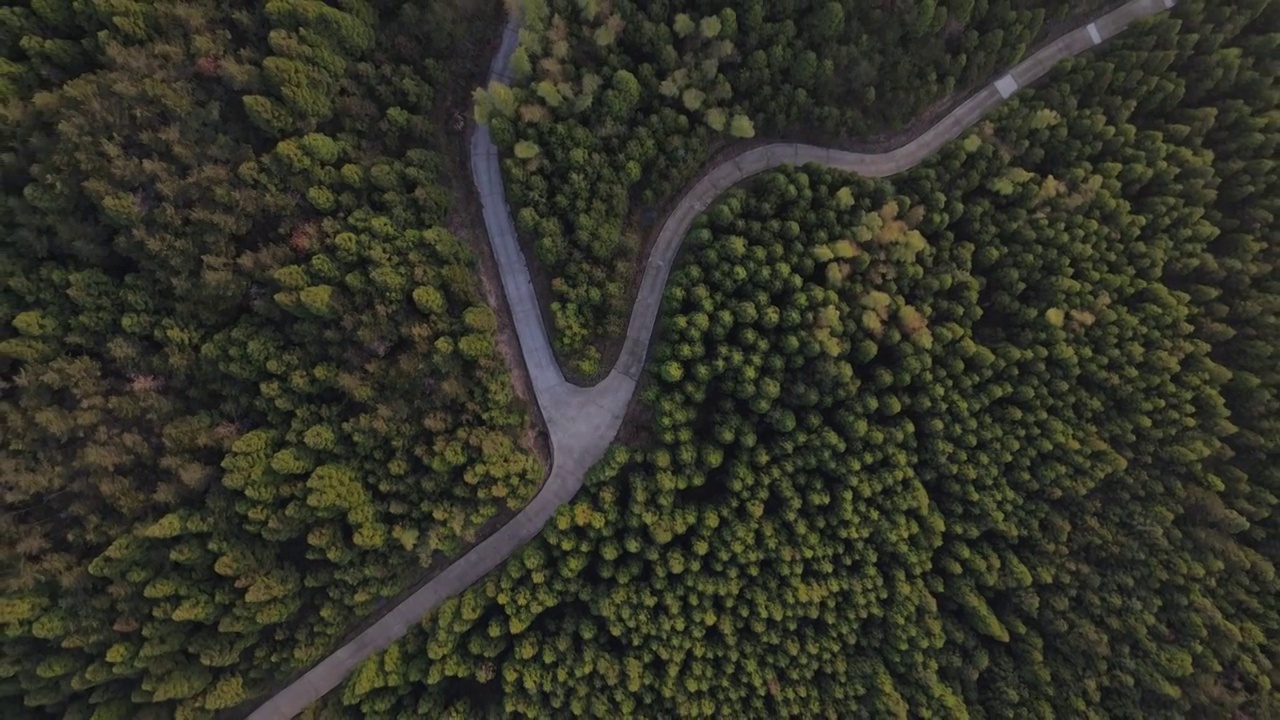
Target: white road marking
{"type": "Point", "coordinates": [1007, 86]}
{"type": "Point", "coordinates": [586, 419]}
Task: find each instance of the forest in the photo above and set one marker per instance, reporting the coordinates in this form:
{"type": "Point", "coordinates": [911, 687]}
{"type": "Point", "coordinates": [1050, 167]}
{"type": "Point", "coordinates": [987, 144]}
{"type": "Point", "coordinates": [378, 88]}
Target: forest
{"type": "Point", "coordinates": [249, 380]}
{"type": "Point", "coordinates": [616, 105]}
{"type": "Point", "coordinates": [995, 438]}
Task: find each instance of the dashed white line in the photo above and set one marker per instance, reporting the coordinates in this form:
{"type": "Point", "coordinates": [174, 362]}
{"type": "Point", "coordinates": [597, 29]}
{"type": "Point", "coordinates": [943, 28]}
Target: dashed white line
{"type": "Point", "coordinates": [563, 411]}
{"type": "Point", "coordinates": [1007, 86]}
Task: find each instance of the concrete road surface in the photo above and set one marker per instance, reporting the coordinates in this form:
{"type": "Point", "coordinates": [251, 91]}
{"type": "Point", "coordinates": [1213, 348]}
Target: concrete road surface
{"type": "Point", "coordinates": [582, 422]}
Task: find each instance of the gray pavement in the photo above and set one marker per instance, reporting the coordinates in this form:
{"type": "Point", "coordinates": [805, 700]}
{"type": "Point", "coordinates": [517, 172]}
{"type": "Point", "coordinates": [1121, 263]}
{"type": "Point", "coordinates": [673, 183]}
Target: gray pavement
{"type": "Point", "coordinates": [582, 422]}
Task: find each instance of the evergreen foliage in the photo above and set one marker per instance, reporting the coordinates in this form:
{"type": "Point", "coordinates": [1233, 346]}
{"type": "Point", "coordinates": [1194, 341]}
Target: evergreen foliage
{"type": "Point", "coordinates": [684, 77]}
{"type": "Point", "coordinates": [996, 438]}
{"type": "Point", "coordinates": [248, 384]}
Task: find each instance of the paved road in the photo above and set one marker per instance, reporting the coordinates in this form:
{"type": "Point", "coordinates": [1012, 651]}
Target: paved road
{"type": "Point", "coordinates": [582, 422]}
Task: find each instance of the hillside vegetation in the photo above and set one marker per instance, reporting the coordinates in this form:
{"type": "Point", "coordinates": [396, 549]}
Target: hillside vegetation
{"type": "Point", "coordinates": [995, 438]}
{"type": "Point", "coordinates": [616, 104]}
{"type": "Point", "coordinates": [248, 380]}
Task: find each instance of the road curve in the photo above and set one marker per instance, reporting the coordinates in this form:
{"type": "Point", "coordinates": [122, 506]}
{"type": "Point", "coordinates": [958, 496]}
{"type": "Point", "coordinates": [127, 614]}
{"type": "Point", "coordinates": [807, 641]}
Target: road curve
{"type": "Point", "coordinates": [582, 422]}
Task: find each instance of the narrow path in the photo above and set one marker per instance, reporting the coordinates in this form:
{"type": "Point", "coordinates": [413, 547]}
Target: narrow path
{"type": "Point", "coordinates": [582, 422]}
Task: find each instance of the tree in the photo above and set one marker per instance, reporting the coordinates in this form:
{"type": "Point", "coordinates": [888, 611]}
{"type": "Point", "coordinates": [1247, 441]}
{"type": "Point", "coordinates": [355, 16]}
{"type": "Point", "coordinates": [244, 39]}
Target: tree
{"type": "Point", "coordinates": [683, 25]}
{"type": "Point", "coordinates": [741, 127]}
{"type": "Point", "coordinates": [716, 119]}
{"type": "Point", "coordinates": [709, 26]}
{"type": "Point", "coordinates": [183, 568]}
{"type": "Point", "coordinates": [623, 94]}
{"type": "Point", "coordinates": [268, 115]}
{"type": "Point", "coordinates": [526, 150]}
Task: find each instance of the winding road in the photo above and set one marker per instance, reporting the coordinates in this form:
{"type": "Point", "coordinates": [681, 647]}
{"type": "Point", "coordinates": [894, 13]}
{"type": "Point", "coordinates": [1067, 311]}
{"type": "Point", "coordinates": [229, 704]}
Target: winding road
{"type": "Point", "coordinates": [582, 422]}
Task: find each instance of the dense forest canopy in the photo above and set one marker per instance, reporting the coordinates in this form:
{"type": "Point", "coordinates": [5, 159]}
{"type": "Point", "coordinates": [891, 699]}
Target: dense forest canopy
{"type": "Point", "coordinates": [617, 104]}
{"type": "Point", "coordinates": [994, 438]}
{"type": "Point", "coordinates": [248, 378]}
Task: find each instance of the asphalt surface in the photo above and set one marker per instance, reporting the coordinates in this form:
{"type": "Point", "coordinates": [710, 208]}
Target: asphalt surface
{"type": "Point", "coordinates": [582, 422]}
